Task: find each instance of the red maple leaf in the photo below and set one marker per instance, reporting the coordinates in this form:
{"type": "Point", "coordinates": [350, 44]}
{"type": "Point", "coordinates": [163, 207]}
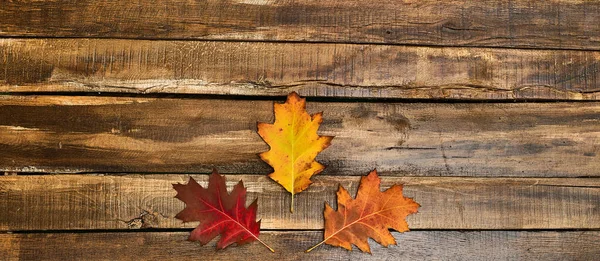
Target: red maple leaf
{"type": "Point", "coordinates": [219, 212]}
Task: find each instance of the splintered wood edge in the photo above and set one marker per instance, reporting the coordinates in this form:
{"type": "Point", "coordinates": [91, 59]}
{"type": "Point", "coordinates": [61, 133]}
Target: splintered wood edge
{"type": "Point", "coordinates": [147, 201]}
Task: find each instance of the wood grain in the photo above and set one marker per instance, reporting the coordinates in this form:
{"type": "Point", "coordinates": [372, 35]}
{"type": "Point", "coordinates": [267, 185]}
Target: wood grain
{"type": "Point", "coordinates": [322, 70]}
{"type": "Point", "coordinates": [519, 23]}
{"type": "Point", "coordinates": [66, 202]}
{"type": "Point", "coordinates": [430, 245]}
{"type": "Point", "coordinates": [71, 134]}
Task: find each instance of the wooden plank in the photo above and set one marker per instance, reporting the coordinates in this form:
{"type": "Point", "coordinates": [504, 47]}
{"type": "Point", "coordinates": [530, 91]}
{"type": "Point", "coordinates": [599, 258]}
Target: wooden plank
{"type": "Point", "coordinates": [70, 134]}
{"type": "Point", "coordinates": [519, 23]}
{"type": "Point", "coordinates": [60, 202]}
{"type": "Point", "coordinates": [415, 245]}
{"type": "Point", "coordinates": [323, 70]}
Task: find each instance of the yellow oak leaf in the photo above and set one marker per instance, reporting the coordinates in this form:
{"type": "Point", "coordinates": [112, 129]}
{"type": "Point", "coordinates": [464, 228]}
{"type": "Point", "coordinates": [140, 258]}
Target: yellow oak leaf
{"type": "Point", "coordinates": [294, 144]}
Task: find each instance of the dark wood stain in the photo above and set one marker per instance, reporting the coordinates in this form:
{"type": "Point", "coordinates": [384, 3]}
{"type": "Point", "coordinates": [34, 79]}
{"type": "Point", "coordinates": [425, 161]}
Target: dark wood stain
{"type": "Point", "coordinates": [98, 134]}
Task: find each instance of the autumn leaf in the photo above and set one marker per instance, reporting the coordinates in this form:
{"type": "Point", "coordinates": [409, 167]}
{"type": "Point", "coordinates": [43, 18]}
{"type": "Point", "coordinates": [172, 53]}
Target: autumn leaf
{"type": "Point", "coordinates": [294, 145]}
{"type": "Point", "coordinates": [219, 212]}
{"type": "Point", "coordinates": [371, 214]}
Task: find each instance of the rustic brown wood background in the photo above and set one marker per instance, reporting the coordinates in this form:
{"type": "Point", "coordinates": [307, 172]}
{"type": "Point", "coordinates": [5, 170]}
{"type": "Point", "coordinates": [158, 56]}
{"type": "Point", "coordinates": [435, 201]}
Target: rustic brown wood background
{"type": "Point", "coordinates": [488, 112]}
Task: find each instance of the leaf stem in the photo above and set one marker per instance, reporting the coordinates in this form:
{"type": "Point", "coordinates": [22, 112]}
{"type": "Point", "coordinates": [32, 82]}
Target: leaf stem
{"type": "Point", "coordinates": [264, 244]}
{"type": "Point", "coordinates": [292, 204]}
{"type": "Point", "coordinates": [315, 246]}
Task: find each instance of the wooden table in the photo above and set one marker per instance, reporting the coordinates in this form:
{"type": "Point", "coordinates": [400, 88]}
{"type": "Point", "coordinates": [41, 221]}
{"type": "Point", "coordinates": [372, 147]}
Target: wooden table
{"type": "Point", "coordinates": [486, 111]}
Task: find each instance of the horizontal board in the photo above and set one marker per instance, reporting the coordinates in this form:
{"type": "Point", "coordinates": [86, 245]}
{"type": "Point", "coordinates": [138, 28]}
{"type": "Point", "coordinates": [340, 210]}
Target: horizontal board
{"type": "Point", "coordinates": [518, 23]}
{"type": "Point", "coordinates": [60, 202]}
{"type": "Point", "coordinates": [70, 134]}
{"type": "Point", "coordinates": [430, 245]}
{"type": "Point", "coordinates": [323, 70]}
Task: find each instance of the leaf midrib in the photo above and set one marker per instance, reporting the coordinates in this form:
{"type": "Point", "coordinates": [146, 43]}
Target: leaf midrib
{"type": "Point", "coordinates": [230, 218]}
{"type": "Point", "coordinates": [362, 218]}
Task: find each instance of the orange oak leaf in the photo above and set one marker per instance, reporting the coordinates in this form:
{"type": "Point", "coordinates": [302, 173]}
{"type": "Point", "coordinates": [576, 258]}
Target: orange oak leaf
{"type": "Point", "coordinates": [294, 144]}
{"type": "Point", "coordinates": [219, 212]}
{"type": "Point", "coordinates": [371, 214]}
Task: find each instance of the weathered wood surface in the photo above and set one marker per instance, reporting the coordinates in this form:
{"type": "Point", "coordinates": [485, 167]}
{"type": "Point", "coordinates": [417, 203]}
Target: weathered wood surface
{"type": "Point", "coordinates": [325, 70]}
{"type": "Point", "coordinates": [63, 202]}
{"type": "Point", "coordinates": [415, 245]}
{"type": "Point", "coordinates": [511, 168]}
{"type": "Point", "coordinates": [519, 23]}
{"type": "Point", "coordinates": [69, 134]}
